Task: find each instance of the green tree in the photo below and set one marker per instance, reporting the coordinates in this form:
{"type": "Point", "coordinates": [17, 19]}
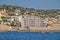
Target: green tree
{"type": "Point", "coordinates": [2, 17]}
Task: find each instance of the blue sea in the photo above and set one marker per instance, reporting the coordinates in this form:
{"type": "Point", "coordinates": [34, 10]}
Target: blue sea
{"type": "Point", "coordinates": [29, 35]}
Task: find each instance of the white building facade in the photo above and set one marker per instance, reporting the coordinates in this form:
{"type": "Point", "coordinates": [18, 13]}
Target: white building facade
{"type": "Point", "coordinates": [32, 21]}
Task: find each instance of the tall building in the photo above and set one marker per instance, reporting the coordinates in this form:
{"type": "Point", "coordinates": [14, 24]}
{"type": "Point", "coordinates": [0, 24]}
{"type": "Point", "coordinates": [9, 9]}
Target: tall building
{"type": "Point", "coordinates": [32, 21]}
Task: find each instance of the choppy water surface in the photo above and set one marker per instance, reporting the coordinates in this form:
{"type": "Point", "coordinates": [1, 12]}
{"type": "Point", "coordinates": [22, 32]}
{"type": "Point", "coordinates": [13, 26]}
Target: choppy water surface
{"type": "Point", "coordinates": [29, 36]}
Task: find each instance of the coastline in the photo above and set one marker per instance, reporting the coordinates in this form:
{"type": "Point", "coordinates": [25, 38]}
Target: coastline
{"type": "Point", "coordinates": [5, 28]}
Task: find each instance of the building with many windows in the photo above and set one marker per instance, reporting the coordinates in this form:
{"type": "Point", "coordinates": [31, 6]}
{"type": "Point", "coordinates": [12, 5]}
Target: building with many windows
{"type": "Point", "coordinates": [32, 21]}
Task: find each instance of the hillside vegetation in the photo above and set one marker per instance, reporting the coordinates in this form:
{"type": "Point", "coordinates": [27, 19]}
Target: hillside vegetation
{"type": "Point", "coordinates": [42, 13]}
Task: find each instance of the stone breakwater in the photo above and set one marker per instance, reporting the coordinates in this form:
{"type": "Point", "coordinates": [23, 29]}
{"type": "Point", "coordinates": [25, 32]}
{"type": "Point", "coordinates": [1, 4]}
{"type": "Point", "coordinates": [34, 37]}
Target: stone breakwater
{"type": "Point", "coordinates": [5, 28]}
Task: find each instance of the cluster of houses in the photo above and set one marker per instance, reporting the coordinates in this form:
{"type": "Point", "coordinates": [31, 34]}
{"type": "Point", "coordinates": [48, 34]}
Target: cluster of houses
{"type": "Point", "coordinates": [26, 20]}
{"type": "Point", "coordinates": [9, 20]}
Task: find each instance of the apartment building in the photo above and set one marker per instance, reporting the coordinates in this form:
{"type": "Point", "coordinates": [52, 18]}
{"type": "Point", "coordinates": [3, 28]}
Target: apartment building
{"type": "Point", "coordinates": [32, 21]}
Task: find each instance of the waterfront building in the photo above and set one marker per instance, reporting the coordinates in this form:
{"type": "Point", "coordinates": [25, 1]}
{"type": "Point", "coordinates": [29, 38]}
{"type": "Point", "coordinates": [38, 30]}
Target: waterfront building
{"type": "Point", "coordinates": [21, 19]}
{"type": "Point", "coordinates": [5, 20]}
{"type": "Point", "coordinates": [32, 21]}
{"type": "Point", "coordinates": [58, 21]}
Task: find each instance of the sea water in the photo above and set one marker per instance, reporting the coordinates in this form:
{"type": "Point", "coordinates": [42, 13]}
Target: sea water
{"type": "Point", "coordinates": [29, 35]}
